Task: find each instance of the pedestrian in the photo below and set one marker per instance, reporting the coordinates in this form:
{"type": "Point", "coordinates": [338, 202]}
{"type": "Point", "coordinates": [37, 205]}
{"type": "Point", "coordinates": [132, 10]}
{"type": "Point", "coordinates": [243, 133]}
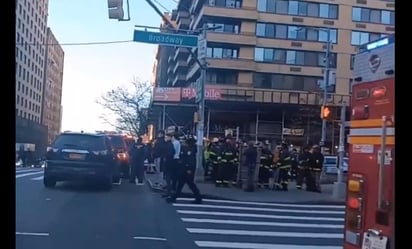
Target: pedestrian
{"type": "Point", "coordinates": [138, 157]}
{"type": "Point", "coordinates": [159, 159]}
{"type": "Point", "coordinates": [186, 171]}
{"type": "Point", "coordinates": [171, 147]}
{"type": "Point", "coordinates": [315, 169]}
{"type": "Point", "coordinates": [250, 155]}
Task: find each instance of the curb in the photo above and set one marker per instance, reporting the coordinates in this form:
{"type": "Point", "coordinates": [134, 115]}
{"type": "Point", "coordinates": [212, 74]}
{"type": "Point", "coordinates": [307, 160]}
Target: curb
{"type": "Point", "coordinates": [207, 196]}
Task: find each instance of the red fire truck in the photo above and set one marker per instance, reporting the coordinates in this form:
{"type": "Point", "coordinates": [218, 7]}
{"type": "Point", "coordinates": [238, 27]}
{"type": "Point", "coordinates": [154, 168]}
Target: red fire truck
{"type": "Point", "coordinates": [370, 191]}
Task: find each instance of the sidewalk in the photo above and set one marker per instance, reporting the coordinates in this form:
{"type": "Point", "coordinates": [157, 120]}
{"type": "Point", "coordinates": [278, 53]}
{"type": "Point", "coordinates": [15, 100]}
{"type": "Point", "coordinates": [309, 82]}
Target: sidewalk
{"type": "Point", "coordinates": [208, 190]}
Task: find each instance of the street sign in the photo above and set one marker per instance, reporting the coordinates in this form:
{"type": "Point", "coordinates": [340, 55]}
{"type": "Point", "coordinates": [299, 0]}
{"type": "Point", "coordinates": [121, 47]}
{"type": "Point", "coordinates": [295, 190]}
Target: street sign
{"type": "Point", "coordinates": [198, 91]}
{"type": "Point", "coordinates": [202, 48]}
{"type": "Point", "coordinates": [166, 39]}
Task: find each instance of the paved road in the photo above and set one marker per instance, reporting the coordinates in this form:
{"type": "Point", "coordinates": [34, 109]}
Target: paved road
{"type": "Point", "coordinates": [129, 217]}
{"type": "Point", "coordinates": [83, 217]}
{"type": "Point", "coordinates": [250, 225]}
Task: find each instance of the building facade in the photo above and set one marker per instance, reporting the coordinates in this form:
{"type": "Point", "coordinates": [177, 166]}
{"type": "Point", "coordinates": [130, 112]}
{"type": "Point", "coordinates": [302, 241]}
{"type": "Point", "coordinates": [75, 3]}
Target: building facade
{"type": "Point", "coordinates": [53, 86]}
{"type": "Point", "coordinates": [31, 32]}
{"type": "Point", "coordinates": [265, 56]}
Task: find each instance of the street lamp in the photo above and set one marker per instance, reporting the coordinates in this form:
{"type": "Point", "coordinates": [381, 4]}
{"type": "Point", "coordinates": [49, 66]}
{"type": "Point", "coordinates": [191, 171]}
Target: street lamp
{"type": "Point", "coordinates": [325, 79]}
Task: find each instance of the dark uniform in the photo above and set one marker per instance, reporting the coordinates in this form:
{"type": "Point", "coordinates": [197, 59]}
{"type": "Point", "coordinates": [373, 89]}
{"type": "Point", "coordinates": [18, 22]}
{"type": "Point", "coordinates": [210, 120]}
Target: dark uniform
{"type": "Point", "coordinates": [266, 159]}
{"type": "Point", "coordinates": [186, 171]}
{"type": "Point", "coordinates": [250, 155]}
{"type": "Point", "coordinates": [229, 164]}
{"type": "Point", "coordinates": [315, 170]}
{"type": "Point", "coordinates": [284, 165]}
{"type": "Point", "coordinates": [303, 165]}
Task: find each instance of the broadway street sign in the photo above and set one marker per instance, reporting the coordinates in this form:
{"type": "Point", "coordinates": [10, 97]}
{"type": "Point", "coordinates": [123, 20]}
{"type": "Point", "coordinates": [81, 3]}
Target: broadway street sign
{"type": "Point", "coordinates": [166, 39]}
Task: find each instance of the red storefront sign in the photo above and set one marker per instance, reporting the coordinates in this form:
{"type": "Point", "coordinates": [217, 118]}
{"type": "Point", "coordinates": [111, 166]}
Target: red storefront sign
{"type": "Point", "coordinates": [211, 93]}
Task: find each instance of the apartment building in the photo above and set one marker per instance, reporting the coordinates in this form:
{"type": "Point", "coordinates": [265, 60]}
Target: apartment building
{"type": "Point", "coordinates": [267, 58]}
{"type": "Point", "coordinates": [31, 31]}
{"type": "Point", "coordinates": [53, 86]}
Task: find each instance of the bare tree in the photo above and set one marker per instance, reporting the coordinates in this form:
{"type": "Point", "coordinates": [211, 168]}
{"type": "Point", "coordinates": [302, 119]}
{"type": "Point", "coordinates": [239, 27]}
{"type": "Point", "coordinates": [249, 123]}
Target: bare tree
{"type": "Point", "coordinates": [128, 107]}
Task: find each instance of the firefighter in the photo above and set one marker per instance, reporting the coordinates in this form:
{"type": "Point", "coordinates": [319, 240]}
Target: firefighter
{"type": "Point", "coordinates": [229, 163]}
{"type": "Point", "coordinates": [295, 162]}
{"type": "Point", "coordinates": [214, 159]}
{"type": "Point", "coordinates": [284, 165]}
{"type": "Point", "coordinates": [315, 169]}
{"type": "Point", "coordinates": [274, 171]}
{"type": "Point", "coordinates": [302, 170]}
{"type": "Point", "coordinates": [266, 159]}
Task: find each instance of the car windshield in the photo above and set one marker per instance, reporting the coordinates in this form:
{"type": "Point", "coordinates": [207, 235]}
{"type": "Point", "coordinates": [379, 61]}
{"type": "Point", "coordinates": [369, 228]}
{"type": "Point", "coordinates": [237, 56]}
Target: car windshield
{"type": "Point", "coordinates": [88, 142]}
{"type": "Point", "coordinates": [116, 142]}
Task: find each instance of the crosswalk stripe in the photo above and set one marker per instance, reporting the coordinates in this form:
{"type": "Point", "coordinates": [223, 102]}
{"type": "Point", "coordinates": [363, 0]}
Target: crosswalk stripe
{"type": "Point", "coordinates": [265, 233]}
{"type": "Point", "coordinates": [260, 223]}
{"type": "Point", "coordinates": [38, 178]}
{"type": "Point", "coordinates": [29, 174]}
{"type": "Point", "coordinates": [260, 215]}
{"type": "Point", "coordinates": [260, 209]}
{"type": "Point", "coordinates": [239, 245]}
{"type": "Point", "coordinates": [26, 170]}
{"type": "Point", "coordinates": [268, 204]}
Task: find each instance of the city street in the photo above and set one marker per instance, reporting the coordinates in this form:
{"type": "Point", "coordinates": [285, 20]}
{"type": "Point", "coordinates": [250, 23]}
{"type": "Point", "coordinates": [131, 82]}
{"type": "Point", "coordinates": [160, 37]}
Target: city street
{"type": "Point", "coordinates": [129, 216]}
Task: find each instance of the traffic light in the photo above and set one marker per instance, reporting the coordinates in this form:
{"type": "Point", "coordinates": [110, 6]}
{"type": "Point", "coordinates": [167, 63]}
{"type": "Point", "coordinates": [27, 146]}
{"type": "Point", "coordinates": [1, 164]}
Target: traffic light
{"type": "Point", "coordinates": [115, 9]}
{"type": "Point", "coordinates": [326, 112]}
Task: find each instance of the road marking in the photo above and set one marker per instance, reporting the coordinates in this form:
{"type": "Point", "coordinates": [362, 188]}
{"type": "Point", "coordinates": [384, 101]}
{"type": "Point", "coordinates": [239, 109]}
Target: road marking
{"type": "Point", "coordinates": [150, 238]}
{"type": "Point", "coordinates": [260, 209]}
{"type": "Point", "coordinates": [265, 233]}
{"type": "Point", "coordinates": [268, 204]}
{"type": "Point", "coordinates": [266, 216]}
{"type": "Point", "coordinates": [32, 234]}
{"type": "Point", "coordinates": [260, 223]}
{"type": "Point", "coordinates": [38, 178]}
{"type": "Point", "coordinates": [28, 174]}
{"type": "Point", "coordinates": [26, 170]}
{"type": "Point", "coordinates": [239, 245]}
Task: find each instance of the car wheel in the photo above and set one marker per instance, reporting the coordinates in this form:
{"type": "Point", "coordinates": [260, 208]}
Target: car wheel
{"type": "Point", "coordinates": [49, 182]}
{"type": "Point", "coordinates": [107, 183]}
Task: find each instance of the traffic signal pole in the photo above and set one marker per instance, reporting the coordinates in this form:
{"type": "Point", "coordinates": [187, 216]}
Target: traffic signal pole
{"type": "Point", "coordinates": [325, 90]}
{"type": "Point", "coordinates": [339, 187]}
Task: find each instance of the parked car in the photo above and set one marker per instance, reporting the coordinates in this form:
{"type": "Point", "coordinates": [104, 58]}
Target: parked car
{"type": "Point", "coordinates": [330, 169]}
{"type": "Point", "coordinates": [120, 149]}
{"type": "Point", "coordinates": [81, 156]}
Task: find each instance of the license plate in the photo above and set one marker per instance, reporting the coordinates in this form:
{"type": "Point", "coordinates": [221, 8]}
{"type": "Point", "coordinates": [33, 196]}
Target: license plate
{"type": "Point", "coordinates": [374, 242]}
{"type": "Point", "coordinates": [76, 156]}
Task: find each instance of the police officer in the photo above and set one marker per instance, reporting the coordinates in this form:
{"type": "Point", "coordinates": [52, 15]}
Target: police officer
{"type": "Point", "coordinates": [266, 159]}
{"type": "Point", "coordinates": [229, 163]}
{"type": "Point", "coordinates": [315, 169]}
{"type": "Point", "coordinates": [302, 170]}
{"type": "Point", "coordinates": [284, 165]}
{"type": "Point", "coordinates": [186, 171]}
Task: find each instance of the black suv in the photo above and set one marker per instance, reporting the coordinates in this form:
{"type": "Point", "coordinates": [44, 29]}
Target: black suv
{"type": "Point", "coordinates": [81, 156]}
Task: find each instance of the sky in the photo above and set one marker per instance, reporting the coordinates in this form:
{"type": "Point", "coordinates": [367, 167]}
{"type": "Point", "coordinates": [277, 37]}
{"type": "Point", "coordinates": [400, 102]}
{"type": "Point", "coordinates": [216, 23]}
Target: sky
{"type": "Point", "coordinates": [92, 70]}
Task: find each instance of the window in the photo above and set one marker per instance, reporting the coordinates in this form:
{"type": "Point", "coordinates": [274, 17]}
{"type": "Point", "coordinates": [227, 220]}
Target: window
{"type": "Point", "coordinates": [285, 82]}
{"type": "Point", "coordinates": [293, 8]}
{"type": "Point", "coordinates": [291, 57]}
{"type": "Point", "coordinates": [365, 15]}
{"type": "Point", "coordinates": [261, 5]}
{"type": "Point", "coordinates": [311, 59]}
{"type": "Point", "coordinates": [302, 8]}
{"type": "Point", "coordinates": [259, 53]}
{"type": "Point", "coordinates": [324, 10]}
{"type": "Point", "coordinates": [221, 77]}
{"type": "Point", "coordinates": [260, 29]}
{"type": "Point", "coordinates": [313, 9]}
{"type": "Point", "coordinates": [268, 55]}
{"type": "Point", "coordinates": [279, 56]}
{"type": "Point", "coordinates": [373, 16]}
{"type": "Point", "coordinates": [352, 61]}
{"type": "Point", "coordinates": [281, 7]}
{"type": "Point", "coordinates": [281, 31]}
{"type": "Point", "coordinates": [270, 30]}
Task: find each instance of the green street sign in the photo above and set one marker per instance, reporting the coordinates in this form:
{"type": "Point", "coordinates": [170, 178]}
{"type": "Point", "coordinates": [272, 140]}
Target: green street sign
{"type": "Point", "coordinates": [166, 39]}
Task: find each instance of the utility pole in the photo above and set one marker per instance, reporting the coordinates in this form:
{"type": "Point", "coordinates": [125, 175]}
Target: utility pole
{"type": "Point", "coordinates": [339, 187]}
{"type": "Point", "coordinates": [201, 124]}
{"type": "Point", "coordinates": [325, 89]}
